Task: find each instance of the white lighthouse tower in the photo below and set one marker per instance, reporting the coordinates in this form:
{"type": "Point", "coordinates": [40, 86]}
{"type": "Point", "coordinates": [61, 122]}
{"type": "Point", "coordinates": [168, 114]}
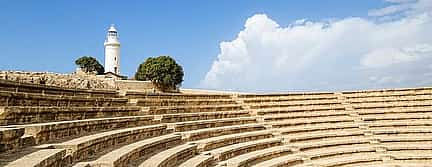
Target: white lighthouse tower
{"type": "Point", "coordinates": [112, 51]}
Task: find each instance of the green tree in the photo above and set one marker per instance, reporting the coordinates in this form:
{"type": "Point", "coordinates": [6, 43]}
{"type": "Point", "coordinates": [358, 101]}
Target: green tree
{"type": "Point", "coordinates": [89, 64]}
{"type": "Point", "coordinates": [163, 71]}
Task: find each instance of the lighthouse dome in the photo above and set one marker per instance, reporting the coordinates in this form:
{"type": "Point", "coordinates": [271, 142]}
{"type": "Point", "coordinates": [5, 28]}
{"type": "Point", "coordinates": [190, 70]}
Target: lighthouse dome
{"type": "Point", "coordinates": [112, 28]}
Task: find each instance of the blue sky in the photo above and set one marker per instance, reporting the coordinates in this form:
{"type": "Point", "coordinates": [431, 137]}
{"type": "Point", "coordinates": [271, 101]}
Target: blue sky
{"type": "Point", "coordinates": [50, 35]}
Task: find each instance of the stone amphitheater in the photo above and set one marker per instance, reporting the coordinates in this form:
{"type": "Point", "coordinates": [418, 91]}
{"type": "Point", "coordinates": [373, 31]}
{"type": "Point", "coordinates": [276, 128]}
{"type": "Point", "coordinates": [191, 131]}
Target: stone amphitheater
{"type": "Point", "coordinates": [45, 126]}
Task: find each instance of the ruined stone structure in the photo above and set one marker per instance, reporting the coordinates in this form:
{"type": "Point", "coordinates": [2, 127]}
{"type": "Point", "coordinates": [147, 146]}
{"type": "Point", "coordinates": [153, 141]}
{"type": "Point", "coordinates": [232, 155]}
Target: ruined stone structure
{"type": "Point", "coordinates": [72, 81]}
{"type": "Point", "coordinates": [45, 126]}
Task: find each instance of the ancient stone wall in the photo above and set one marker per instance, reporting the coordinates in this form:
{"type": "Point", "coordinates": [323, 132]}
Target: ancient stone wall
{"type": "Point", "coordinates": [60, 80]}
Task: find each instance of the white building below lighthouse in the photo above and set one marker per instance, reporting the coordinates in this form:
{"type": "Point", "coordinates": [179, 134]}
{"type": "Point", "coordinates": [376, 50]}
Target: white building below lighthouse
{"type": "Point", "coordinates": [112, 51]}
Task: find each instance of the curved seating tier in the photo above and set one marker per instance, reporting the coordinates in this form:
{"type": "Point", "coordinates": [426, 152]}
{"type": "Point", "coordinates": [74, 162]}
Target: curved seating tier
{"type": "Point", "coordinates": [17, 115]}
{"type": "Point", "coordinates": [33, 99]}
{"type": "Point", "coordinates": [357, 128]}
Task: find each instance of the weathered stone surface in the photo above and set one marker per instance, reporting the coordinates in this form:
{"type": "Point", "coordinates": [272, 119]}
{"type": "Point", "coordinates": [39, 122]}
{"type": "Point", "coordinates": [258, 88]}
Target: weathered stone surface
{"type": "Point", "coordinates": [145, 95]}
{"type": "Point", "coordinates": [41, 158]}
{"type": "Point", "coordinates": [254, 157]}
{"type": "Point", "coordinates": [191, 109]}
{"type": "Point", "coordinates": [306, 129]}
{"type": "Point", "coordinates": [59, 80]}
{"type": "Point", "coordinates": [225, 140]}
{"type": "Point", "coordinates": [51, 131]}
{"type": "Point", "coordinates": [10, 138]}
{"type": "Point", "coordinates": [223, 153]}
{"type": "Point", "coordinates": [171, 157]}
{"type": "Point", "coordinates": [219, 131]}
{"type": "Point", "coordinates": [140, 150]}
{"type": "Point", "coordinates": [89, 146]}
{"type": "Point", "coordinates": [202, 160]}
{"type": "Point", "coordinates": [32, 99]}
{"type": "Point", "coordinates": [13, 115]}
{"type": "Point", "coordinates": [183, 117]}
{"type": "Point", "coordinates": [194, 125]}
{"type": "Point", "coordinates": [182, 102]}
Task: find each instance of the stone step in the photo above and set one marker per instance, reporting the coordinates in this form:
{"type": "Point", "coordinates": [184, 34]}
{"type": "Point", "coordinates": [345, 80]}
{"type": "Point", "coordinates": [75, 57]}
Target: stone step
{"type": "Point", "coordinates": [183, 117]}
{"type": "Point", "coordinates": [144, 95]}
{"type": "Point", "coordinates": [395, 92]}
{"type": "Point", "coordinates": [286, 110]}
{"type": "Point", "coordinates": [407, 130]}
{"type": "Point", "coordinates": [201, 124]}
{"type": "Point", "coordinates": [397, 116]}
{"type": "Point", "coordinates": [192, 109]}
{"type": "Point", "coordinates": [91, 146]}
{"type": "Point", "coordinates": [51, 131]}
{"type": "Point", "coordinates": [171, 157]}
{"type": "Point", "coordinates": [317, 127]}
{"type": "Point", "coordinates": [396, 123]}
{"type": "Point", "coordinates": [227, 152]}
{"type": "Point", "coordinates": [388, 105]}
{"type": "Point", "coordinates": [323, 134]}
{"type": "Point", "coordinates": [221, 141]}
{"type": "Point", "coordinates": [286, 99]}
{"type": "Point", "coordinates": [330, 142]}
{"type": "Point", "coordinates": [290, 95]}
{"type": "Point", "coordinates": [10, 138]}
{"type": "Point", "coordinates": [304, 158]}
{"type": "Point", "coordinates": [201, 160]}
{"type": "Point", "coordinates": [413, 109]}
{"type": "Point", "coordinates": [12, 115]}
{"type": "Point", "coordinates": [132, 153]}
{"type": "Point", "coordinates": [292, 105]}
{"type": "Point", "coordinates": [32, 99]}
{"type": "Point", "coordinates": [254, 157]}
{"type": "Point", "coordinates": [340, 159]}
{"type": "Point", "coordinates": [182, 102]}
{"type": "Point", "coordinates": [297, 115]}
{"type": "Point", "coordinates": [309, 121]}
{"type": "Point", "coordinates": [219, 131]}
{"type": "Point", "coordinates": [390, 99]}
{"type": "Point", "coordinates": [13, 86]}
{"type": "Point", "coordinates": [41, 158]}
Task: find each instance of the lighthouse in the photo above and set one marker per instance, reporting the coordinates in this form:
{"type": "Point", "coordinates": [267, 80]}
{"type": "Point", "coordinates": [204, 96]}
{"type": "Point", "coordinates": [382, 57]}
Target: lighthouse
{"type": "Point", "coordinates": [112, 51]}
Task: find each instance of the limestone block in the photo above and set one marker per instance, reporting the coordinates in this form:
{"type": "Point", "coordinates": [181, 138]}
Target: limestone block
{"type": "Point", "coordinates": [41, 158]}
{"type": "Point", "coordinates": [46, 132]}
{"type": "Point", "coordinates": [89, 146]}
{"type": "Point", "coordinates": [12, 115]}
{"type": "Point", "coordinates": [171, 157]}
{"type": "Point", "coordinates": [10, 138]}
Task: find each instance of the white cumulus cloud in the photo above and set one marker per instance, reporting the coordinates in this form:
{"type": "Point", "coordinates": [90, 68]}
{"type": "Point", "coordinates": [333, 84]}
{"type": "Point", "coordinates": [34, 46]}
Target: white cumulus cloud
{"type": "Point", "coordinates": [348, 53]}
